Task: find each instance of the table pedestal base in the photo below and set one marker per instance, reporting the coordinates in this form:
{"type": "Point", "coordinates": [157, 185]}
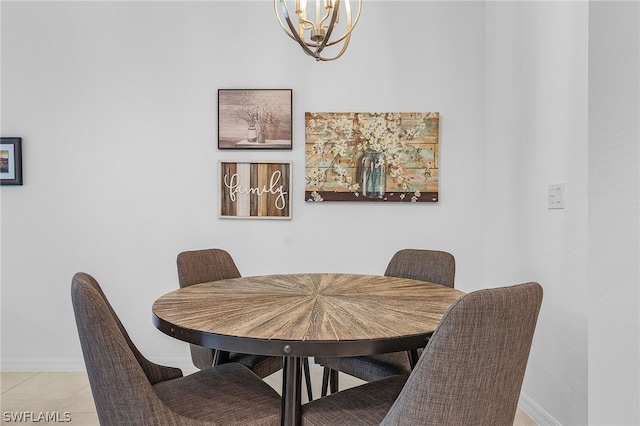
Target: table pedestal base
{"type": "Point", "coordinates": [291, 391]}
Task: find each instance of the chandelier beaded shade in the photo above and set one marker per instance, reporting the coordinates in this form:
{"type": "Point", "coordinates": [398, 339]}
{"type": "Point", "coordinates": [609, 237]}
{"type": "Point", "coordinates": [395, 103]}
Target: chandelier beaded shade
{"type": "Point", "coordinates": [328, 24]}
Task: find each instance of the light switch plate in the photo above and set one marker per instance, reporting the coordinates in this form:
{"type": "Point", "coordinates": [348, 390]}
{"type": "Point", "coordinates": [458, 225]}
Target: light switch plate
{"type": "Point", "coordinates": [556, 196]}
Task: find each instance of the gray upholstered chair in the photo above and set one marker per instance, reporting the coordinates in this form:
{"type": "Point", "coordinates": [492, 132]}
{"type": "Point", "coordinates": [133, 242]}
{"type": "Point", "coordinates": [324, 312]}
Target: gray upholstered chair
{"type": "Point", "coordinates": [425, 265]}
{"type": "Point", "coordinates": [130, 390]}
{"type": "Point", "coordinates": [470, 373]}
{"type": "Point", "coordinates": [200, 266]}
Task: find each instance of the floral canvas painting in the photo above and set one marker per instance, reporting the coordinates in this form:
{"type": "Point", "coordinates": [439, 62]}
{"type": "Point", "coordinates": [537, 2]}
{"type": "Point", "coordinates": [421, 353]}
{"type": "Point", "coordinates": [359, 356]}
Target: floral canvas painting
{"type": "Point", "coordinates": [383, 157]}
{"type": "Point", "coordinates": [254, 119]}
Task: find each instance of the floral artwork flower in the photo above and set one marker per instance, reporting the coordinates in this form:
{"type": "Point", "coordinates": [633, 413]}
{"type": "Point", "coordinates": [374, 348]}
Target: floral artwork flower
{"type": "Point", "coordinates": [348, 153]}
{"type": "Point", "coordinates": [256, 109]}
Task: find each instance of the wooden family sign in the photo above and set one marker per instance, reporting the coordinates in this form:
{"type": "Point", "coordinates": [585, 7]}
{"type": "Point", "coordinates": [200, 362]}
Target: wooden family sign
{"type": "Point", "coordinates": [255, 190]}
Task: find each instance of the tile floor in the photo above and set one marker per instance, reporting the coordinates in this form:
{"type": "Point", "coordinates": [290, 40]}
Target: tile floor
{"type": "Point", "coordinates": [51, 392]}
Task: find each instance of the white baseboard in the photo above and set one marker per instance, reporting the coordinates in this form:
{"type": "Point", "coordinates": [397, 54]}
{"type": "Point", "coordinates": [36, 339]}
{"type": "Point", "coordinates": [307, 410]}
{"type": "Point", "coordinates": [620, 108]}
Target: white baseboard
{"type": "Point", "coordinates": [42, 364]}
{"type": "Point", "coordinates": [535, 412]}
{"type": "Point", "coordinates": [77, 364]}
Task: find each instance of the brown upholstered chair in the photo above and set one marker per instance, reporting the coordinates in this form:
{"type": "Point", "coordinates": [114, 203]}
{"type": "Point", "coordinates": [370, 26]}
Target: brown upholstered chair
{"type": "Point", "coordinates": [470, 373]}
{"type": "Point", "coordinates": [200, 266]}
{"type": "Point", "coordinates": [425, 265]}
{"type": "Point", "coordinates": [130, 390]}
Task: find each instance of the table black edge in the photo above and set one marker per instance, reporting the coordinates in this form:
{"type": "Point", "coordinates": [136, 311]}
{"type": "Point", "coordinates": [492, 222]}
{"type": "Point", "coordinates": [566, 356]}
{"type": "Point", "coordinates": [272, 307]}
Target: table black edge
{"type": "Point", "coordinates": [294, 348]}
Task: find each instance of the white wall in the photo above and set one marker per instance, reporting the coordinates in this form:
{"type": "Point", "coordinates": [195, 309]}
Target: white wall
{"type": "Point", "coordinates": [614, 214]}
{"type": "Point", "coordinates": [116, 104]}
{"type": "Point", "coordinates": [536, 101]}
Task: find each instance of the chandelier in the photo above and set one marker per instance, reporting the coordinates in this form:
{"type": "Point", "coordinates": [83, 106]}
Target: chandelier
{"type": "Point", "coordinates": [319, 27]}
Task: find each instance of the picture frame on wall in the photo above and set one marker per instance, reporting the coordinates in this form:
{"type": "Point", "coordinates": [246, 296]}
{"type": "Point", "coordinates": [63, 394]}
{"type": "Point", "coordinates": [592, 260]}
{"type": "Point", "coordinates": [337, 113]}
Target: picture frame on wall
{"type": "Point", "coordinates": [255, 119]}
{"type": "Point", "coordinates": [255, 189]}
{"type": "Point", "coordinates": [11, 161]}
{"type": "Point", "coordinates": [372, 156]}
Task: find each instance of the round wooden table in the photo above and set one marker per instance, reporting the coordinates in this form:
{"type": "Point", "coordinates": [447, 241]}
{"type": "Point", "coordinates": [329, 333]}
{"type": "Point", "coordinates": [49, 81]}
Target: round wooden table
{"type": "Point", "coordinates": [304, 315]}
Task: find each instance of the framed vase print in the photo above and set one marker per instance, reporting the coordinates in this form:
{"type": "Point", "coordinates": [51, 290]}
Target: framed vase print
{"type": "Point", "coordinates": [255, 118]}
{"type": "Point", "coordinates": [372, 157]}
{"type": "Point", "coordinates": [10, 161]}
{"type": "Point", "coordinates": [255, 190]}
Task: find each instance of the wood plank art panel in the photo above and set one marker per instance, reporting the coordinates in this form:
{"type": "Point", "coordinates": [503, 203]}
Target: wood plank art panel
{"type": "Point", "coordinates": [372, 156]}
{"type": "Point", "coordinates": [255, 190]}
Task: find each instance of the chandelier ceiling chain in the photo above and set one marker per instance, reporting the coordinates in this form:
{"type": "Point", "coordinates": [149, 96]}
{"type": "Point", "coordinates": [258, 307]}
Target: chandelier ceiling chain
{"type": "Point", "coordinates": [316, 26]}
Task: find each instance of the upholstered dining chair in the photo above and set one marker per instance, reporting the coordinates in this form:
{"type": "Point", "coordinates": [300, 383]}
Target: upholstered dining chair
{"type": "Point", "coordinates": [200, 266]}
{"type": "Point", "coordinates": [425, 265]}
{"type": "Point", "coordinates": [470, 373]}
{"type": "Point", "coordinates": [130, 390]}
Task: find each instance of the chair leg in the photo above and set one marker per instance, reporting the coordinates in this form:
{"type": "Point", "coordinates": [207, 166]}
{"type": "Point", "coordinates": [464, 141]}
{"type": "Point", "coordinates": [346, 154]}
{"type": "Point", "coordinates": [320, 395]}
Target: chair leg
{"type": "Point", "coordinates": [333, 381]}
{"type": "Point", "coordinates": [307, 377]}
{"type": "Point", "coordinates": [413, 357]}
{"type": "Point", "coordinates": [220, 357]}
{"type": "Point", "coordinates": [325, 381]}
{"type": "Point", "coordinates": [329, 380]}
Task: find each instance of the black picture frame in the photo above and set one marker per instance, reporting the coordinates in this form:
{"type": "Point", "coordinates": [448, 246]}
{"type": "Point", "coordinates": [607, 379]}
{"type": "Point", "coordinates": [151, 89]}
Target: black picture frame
{"type": "Point", "coordinates": [255, 119]}
{"type": "Point", "coordinates": [10, 161]}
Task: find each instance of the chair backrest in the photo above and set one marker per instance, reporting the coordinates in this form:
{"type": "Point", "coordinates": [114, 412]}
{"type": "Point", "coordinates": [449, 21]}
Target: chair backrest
{"type": "Point", "coordinates": [471, 371]}
{"type": "Point", "coordinates": [201, 266]}
{"type": "Point", "coordinates": [425, 265]}
{"type": "Point", "coordinates": [120, 376]}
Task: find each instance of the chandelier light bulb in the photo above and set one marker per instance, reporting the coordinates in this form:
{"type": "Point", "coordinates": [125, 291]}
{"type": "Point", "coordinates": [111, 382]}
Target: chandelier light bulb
{"type": "Point", "coordinates": [329, 23]}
